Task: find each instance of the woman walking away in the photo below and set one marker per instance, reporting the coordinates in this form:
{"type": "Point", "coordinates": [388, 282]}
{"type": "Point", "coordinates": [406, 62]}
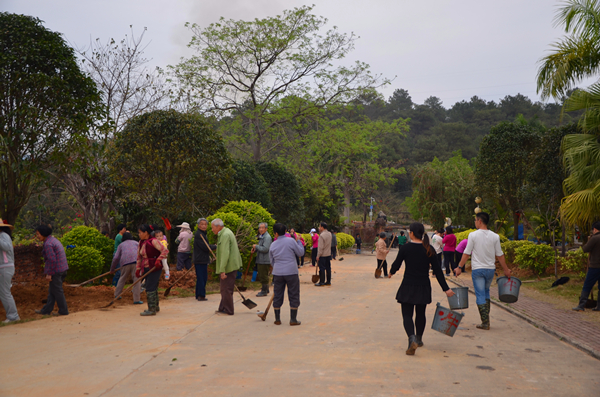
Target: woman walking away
{"type": "Point", "coordinates": [7, 271]}
{"type": "Point", "coordinates": [449, 249]}
{"type": "Point", "coordinates": [125, 259]}
{"type": "Point", "coordinates": [151, 252]}
{"type": "Point", "coordinates": [415, 291]}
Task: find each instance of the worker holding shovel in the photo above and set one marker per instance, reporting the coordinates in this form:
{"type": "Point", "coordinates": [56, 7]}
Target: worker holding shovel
{"type": "Point", "coordinates": [151, 252]}
{"type": "Point", "coordinates": [229, 261]}
{"type": "Point", "coordinates": [283, 254]}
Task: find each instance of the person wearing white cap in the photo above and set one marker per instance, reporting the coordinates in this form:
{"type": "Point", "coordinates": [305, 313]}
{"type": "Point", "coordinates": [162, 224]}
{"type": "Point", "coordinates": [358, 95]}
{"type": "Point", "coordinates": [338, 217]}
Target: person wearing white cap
{"type": "Point", "coordinates": [7, 271]}
{"type": "Point", "coordinates": [315, 246]}
{"type": "Point", "coordinates": [184, 255]}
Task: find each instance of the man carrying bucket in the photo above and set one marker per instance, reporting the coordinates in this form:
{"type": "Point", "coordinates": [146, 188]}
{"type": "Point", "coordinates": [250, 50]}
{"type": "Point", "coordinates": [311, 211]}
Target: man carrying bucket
{"type": "Point", "coordinates": [483, 247]}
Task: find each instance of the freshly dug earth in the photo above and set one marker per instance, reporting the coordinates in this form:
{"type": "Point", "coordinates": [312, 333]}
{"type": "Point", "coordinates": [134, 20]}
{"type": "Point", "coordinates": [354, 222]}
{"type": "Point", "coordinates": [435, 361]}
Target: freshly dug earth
{"type": "Point", "coordinates": [29, 296]}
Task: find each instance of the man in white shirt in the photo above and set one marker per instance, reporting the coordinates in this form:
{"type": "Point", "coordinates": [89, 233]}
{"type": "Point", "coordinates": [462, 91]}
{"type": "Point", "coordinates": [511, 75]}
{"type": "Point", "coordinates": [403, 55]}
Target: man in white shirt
{"type": "Point", "coordinates": [483, 248]}
{"type": "Point", "coordinates": [436, 243]}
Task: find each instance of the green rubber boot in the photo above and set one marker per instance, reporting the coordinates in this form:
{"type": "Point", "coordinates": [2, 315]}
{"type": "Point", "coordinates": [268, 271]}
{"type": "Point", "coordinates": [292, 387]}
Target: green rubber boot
{"type": "Point", "coordinates": [484, 313]}
{"type": "Point", "coordinates": [151, 311]}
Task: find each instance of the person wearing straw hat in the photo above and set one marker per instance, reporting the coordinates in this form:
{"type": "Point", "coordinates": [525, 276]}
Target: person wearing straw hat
{"type": "Point", "coordinates": [184, 251]}
{"type": "Point", "coordinates": [55, 268]}
{"type": "Point", "coordinates": [229, 261]}
{"type": "Point", "coordinates": [414, 293]}
{"type": "Point", "coordinates": [7, 271]}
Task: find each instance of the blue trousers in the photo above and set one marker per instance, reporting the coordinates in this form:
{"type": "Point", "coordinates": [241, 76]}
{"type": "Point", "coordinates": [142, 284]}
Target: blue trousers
{"type": "Point", "coordinates": [482, 280]}
{"type": "Point", "coordinates": [201, 278]}
{"type": "Point", "coordinates": [591, 278]}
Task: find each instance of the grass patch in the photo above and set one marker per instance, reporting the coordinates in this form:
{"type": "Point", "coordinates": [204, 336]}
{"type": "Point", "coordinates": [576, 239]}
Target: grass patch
{"type": "Point", "coordinates": [569, 291]}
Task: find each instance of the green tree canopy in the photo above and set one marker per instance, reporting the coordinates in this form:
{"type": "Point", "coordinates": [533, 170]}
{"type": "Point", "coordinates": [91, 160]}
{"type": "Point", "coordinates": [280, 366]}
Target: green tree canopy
{"type": "Point", "coordinates": [269, 73]}
{"type": "Point", "coordinates": [173, 163]}
{"type": "Point", "coordinates": [502, 166]}
{"type": "Point", "coordinates": [46, 105]}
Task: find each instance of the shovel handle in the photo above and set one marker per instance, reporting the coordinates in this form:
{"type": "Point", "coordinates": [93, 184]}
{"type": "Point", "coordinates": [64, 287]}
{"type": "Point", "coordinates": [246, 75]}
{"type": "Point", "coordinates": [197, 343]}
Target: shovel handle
{"type": "Point", "coordinates": [168, 290]}
{"type": "Point", "coordinates": [92, 279]}
{"type": "Point", "coordinates": [139, 280]}
{"type": "Point", "coordinates": [247, 268]}
{"type": "Point", "coordinates": [264, 315]}
{"type": "Point", "coordinates": [208, 246]}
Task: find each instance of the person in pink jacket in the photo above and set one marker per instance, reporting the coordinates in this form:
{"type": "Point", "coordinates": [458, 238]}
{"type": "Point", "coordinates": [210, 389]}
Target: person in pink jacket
{"type": "Point", "coordinates": [315, 246]}
{"type": "Point", "coordinates": [449, 242]}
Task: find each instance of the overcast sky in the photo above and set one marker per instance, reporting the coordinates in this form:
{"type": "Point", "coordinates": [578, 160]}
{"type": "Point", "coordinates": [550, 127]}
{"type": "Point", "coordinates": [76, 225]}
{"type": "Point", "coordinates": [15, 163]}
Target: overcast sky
{"type": "Point", "coordinates": [449, 49]}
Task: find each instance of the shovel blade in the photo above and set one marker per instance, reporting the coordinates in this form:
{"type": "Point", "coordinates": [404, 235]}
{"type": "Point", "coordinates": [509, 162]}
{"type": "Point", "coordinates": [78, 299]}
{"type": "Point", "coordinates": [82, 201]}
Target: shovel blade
{"type": "Point", "coordinates": [249, 304]}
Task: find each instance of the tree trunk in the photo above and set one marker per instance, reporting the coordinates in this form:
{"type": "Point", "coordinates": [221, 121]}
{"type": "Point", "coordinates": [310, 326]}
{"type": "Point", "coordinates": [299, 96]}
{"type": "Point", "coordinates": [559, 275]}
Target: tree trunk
{"type": "Point", "coordinates": [346, 206]}
{"type": "Point", "coordinates": [516, 225]}
{"type": "Point", "coordinates": [564, 239]}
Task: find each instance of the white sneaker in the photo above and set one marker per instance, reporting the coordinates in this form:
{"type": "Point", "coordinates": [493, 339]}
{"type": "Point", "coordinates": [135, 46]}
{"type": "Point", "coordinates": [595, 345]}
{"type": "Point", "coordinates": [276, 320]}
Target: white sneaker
{"type": "Point", "coordinates": [10, 321]}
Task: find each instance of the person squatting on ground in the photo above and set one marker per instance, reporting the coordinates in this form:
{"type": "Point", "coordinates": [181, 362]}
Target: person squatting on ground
{"type": "Point", "coordinates": [184, 255]}
{"type": "Point", "coordinates": [202, 258]}
{"type": "Point", "coordinates": [121, 229]}
{"type": "Point", "coordinates": [449, 242]}
{"type": "Point", "coordinates": [125, 259]}
{"type": "Point", "coordinates": [334, 245]}
{"type": "Point", "coordinates": [160, 236]}
{"type": "Point", "coordinates": [381, 251]}
{"type": "Point", "coordinates": [414, 293]}
{"type": "Point", "coordinates": [324, 255]}
{"type": "Point", "coordinates": [150, 254]}
{"type": "Point", "coordinates": [262, 258]}
{"type": "Point", "coordinates": [228, 263]}
{"type": "Point", "coordinates": [484, 248]}
{"type": "Point", "coordinates": [315, 246]}
{"type": "Point", "coordinates": [593, 274]}
{"type": "Point", "coordinates": [55, 269]}
{"type": "Point", "coordinates": [283, 254]}
{"type": "Point", "coordinates": [7, 271]}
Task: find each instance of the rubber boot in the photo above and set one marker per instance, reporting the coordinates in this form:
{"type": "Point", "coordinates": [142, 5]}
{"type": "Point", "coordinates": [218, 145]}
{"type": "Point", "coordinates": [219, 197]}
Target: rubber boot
{"type": "Point", "coordinates": [293, 315]}
{"type": "Point", "coordinates": [420, 341]}
{"type": "Point", "coordinates": [484, 313]}
{"type": "Point", "coordinates": [156, 306]}
{"type": "Point", "coordinates": [412, 345]}
{"type": "Point", "coordinates": [582, 301]}
{"type": "Point", "coordinates": [277, 316]}
{"type": "Point", "coordinates": [264, 291]}
{"type": "Point", "coordinates": [597, 308]}
{"type": "Point", "coordinates": [151, 311]}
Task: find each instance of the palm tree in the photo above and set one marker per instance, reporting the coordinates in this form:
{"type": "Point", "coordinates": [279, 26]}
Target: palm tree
{"type": "Point", "coordinates": [576, 57]}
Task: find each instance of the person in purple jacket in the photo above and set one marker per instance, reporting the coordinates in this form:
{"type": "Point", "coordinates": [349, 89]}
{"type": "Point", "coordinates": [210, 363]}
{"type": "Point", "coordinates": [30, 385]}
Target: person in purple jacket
{"type": "Point", "coordinates": [125, 259]}
{"type": "Point", "coordinates": [55, 269]}
{"type": "Point", "coordinates": [283, 253]}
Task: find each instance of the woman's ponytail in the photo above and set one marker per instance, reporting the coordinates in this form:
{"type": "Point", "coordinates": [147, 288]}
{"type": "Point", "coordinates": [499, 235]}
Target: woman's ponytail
{"type": "Point", "coordinates": [418, 231]}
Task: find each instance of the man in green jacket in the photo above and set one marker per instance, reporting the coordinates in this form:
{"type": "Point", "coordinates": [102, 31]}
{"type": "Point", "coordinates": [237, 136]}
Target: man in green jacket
{"type": "Point", "coordinates": [228, 263]}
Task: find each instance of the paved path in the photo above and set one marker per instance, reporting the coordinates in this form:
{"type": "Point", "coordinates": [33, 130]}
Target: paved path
{"type": "Point", "coordinates": [566, 324]}
{"type": "Point", "coordinates": [351, 342]}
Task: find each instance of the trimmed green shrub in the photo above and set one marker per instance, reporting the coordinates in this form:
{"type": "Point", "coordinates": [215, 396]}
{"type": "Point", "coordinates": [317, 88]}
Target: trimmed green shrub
{"type": "Point", "coordinates": [344, 240]}
{"type": "Point", "coordinates": [575, 261]}
{"type": "Point", "coordinates": [84, 263]}
{"type": "Point", "coordinates": [308, 240]}
{"type": "Point", "coordinates": [463, 235]}
{"type": "Point", "coordinates": [534, 257]}
{"type": "Point", "coordinates": [252, 213]}
{"type": "Point", "coordinates": [509, 248]}
{"type": "Point", "coordinates": [83, 236]}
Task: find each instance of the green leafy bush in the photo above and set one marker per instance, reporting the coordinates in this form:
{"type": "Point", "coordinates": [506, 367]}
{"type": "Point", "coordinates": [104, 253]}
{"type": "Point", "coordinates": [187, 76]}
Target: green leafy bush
{"type": "Point", "coordinates": [575, 261]}
{"type": "Point", "coordinates": [344, 240]}
{"type": "Point", "coordinates": [83, 236]}
{"type": "Point", "coordinates": [250, 212]}
{"type": "Point", "coordinates": [534, 257]}
{"type": "Point", "coordinates": [308, 240]}
{"type": "Point", "coordinates": [509, 248]}
{"type": "Point", "coordinates": [84, 263]}
{"type": "Point", "coordinates": [463, 235]}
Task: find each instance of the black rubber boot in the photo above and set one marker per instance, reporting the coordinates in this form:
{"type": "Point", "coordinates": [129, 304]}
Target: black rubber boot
{"type": "Point", "coordinates": [151, 311]}
{"type": "Point", "coordinates": [597, 308]}
{"type": "Point", "coordinates": [277, 316]}
{"type": "Point", "coordinates": [420, 341]}
{"type": "Point", "coordinates": [412, 345]}
{"type": "Point", "coordinates": [264, 291]}
{"type": "Point", "coordinates": [293, 315]}
{"type": "Point", "coordinates": [582, 301]}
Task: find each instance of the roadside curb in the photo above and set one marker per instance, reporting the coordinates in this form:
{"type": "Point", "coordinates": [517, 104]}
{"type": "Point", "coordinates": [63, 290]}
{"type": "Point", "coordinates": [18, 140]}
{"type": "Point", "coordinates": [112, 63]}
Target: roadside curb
{"type": "Point", "coordinates": [573, 342]}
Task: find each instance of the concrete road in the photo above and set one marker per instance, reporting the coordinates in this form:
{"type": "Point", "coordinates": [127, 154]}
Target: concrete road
{"type": "Point", "coordinates": [351, 342]}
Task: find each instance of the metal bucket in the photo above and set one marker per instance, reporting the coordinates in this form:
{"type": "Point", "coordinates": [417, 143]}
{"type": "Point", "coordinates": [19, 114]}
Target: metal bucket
{"type": "Point", "coordinates": [460, 300]}
{"type": "Point", "coordinates": [508, 290]}
{"type": "Point", "coordinates": [445, 320]}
